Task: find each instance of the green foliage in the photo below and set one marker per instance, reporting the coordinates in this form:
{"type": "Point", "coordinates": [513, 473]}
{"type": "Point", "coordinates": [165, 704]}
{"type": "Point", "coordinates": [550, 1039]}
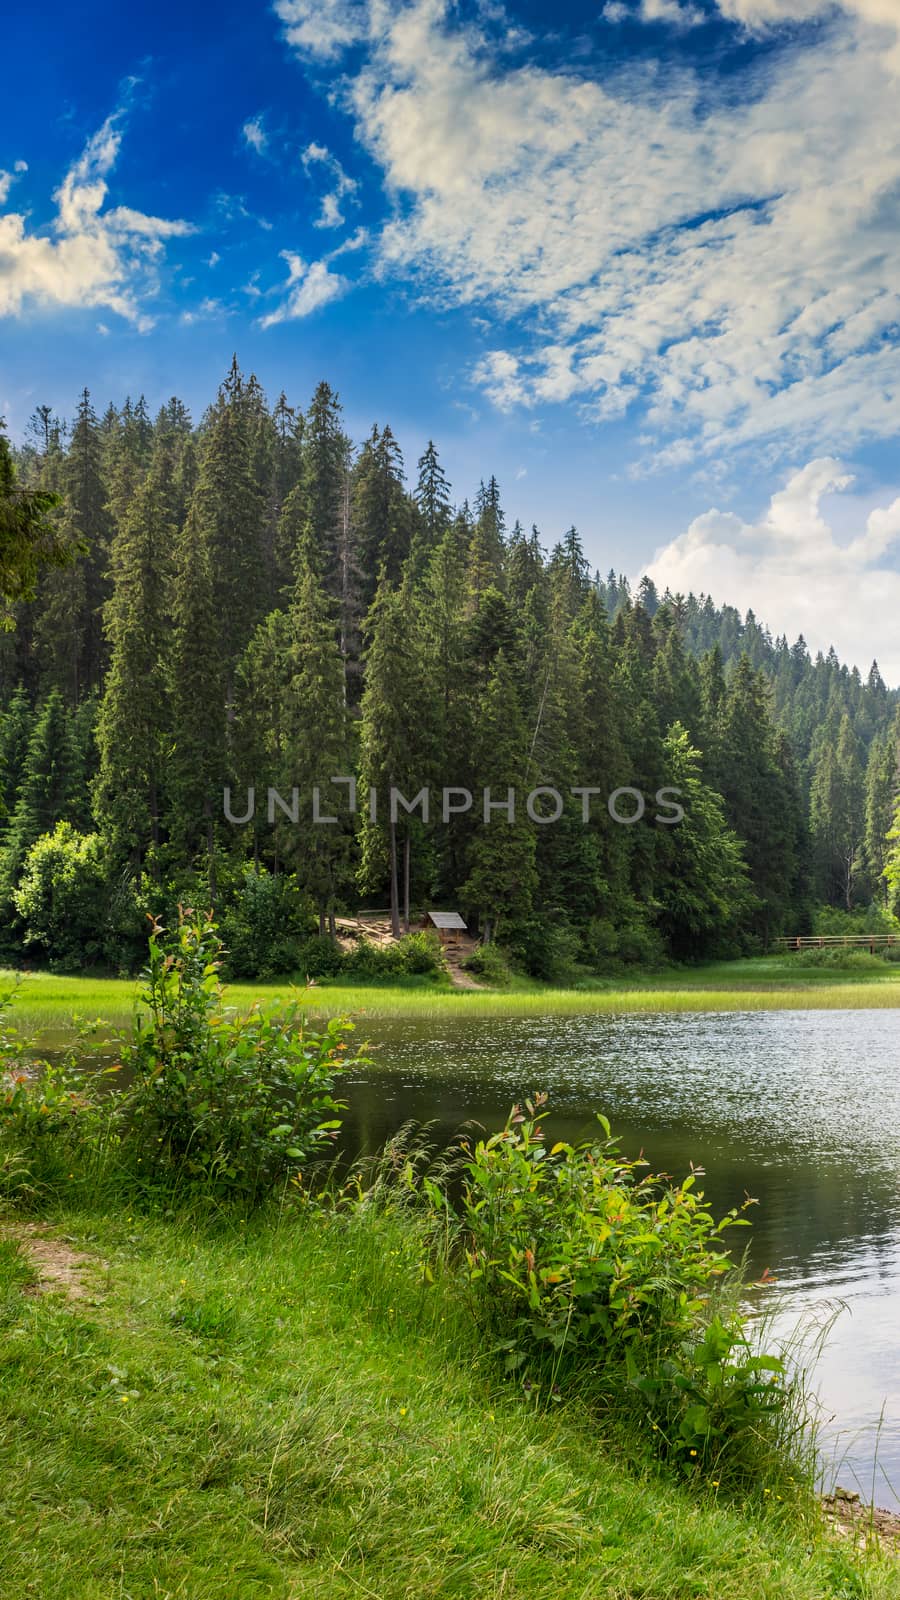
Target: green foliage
{"type": "Point", "coordinates": [75, 909]}
{"type": "Point", "coordinates": [29, 539]}
{"type": "Point", "coordinates": [264, 926]}
{"type": "Point", "coordinates": [254, 603]}
{"type": "Point", "coordinates": [232, 1105]}
{"type": "Point", "coordinates": [491, 963]}
{"type": "Point", "coordinates": [583, 1269]}
{"type": "Point", "coordinates": [59, 1125]}
{"type": "Point", "coordinates": [415, 955]}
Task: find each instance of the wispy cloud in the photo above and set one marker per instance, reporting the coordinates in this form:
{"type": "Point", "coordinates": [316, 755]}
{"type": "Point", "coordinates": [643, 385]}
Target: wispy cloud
{"type": "Point", "coordinates": [90, 256]}
{"type": "Point", "coordinates": [323, 28]}
{"type": "Point", "coordinates": [254, 134]}
{"type": "Point", "coordinates": [309, 286]}
{"type": "Point", "coordinates": [7, 179]}
{"type": "Point", "coordinates": [720, 260]}
{"type": "Point", "coordinates": [791, 568]}
{"type": "Point", "coordinates": [340, 185]}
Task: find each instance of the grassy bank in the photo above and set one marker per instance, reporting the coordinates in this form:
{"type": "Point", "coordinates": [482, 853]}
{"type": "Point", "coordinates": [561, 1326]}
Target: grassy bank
{"type": "Point", "coordinates": [48, 1000]}
{"type": "Point", "coordinates": [285, 1409]}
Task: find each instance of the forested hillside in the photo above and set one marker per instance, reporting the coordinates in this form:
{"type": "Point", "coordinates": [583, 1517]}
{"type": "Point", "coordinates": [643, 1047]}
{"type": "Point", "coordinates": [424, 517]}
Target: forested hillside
{"type": "Point", "coordinates": [258, 602]}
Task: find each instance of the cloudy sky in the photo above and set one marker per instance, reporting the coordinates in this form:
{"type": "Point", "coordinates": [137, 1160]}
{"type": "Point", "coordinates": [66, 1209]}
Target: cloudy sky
{"type": "Point", "coordinates": [639, 258]}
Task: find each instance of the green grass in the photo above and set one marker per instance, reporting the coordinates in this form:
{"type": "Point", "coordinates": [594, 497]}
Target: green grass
{"type": "Point", "coordinates": [47, 1001]}
{"type": "Point", "coordinates": [286, 1411]}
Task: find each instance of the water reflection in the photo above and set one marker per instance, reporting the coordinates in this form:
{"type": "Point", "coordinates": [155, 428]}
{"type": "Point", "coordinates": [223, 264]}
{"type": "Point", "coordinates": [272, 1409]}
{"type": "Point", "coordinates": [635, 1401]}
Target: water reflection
{"type": "Point", "coordinates": [800, 1109]}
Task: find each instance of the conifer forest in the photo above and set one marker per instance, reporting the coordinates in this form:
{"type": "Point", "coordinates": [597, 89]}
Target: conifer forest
{"type": "Point", "coordinates": [253, 602]}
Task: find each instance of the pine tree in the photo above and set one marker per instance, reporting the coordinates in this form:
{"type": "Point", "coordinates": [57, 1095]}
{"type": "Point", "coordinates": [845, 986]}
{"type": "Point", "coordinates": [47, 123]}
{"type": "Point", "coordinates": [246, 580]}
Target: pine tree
{"type": "Point", "coordinates": [69, 633]}
{"type": "Point", "coordinates": [502, 878]}
{"type": "Point", "coordinates": [383, 516]}
{"type": "Point", "coordinates": [29, 539]}
{"type": "Point", "coordinates": [134, 719]}
{"type": "Point", "coordinates": [882, 792]}
{"type": "Point", "coordinates": [433, 501]}
{"type": "Point", "coordinates": [45, 793]}
{"type": "Point", "coordinates": [702, 889]}
{"type": "Point", "coordinates": [316, 747]}
{"type": "Point", "coordinates": [15, 732]}
{"type": "Point", "coordinates": [197, 763]}
{"type": "Point", "coordinates": [396, 740]}
{"type": "Point", "coordinates": [838, 817]}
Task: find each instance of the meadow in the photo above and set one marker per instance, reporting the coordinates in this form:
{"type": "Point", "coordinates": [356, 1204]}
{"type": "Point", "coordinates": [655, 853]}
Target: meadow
{"type": "Point", "coordinates": [46, 1001]}
{"type": "Point", "coordinates": [283, 1407]}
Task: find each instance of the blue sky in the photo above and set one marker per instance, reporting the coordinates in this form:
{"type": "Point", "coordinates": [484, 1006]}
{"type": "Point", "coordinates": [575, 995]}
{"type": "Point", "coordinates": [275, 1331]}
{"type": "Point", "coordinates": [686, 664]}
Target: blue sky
{"type": "Point", "coordinates": [638, 258]}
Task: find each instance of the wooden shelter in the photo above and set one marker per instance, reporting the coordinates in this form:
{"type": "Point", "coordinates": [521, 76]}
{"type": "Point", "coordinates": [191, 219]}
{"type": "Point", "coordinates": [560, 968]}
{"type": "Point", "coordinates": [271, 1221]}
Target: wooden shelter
{"type": "Point", "coordinates": [448, 924]}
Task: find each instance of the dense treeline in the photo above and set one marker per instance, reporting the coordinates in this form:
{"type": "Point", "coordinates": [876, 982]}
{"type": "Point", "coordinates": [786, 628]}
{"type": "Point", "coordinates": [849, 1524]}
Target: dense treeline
{"type": "Point", "coordinates": [256, 602]}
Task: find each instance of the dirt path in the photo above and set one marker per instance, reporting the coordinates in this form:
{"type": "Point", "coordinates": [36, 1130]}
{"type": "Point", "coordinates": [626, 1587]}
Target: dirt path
{"type": "Point", "coordinates": [59, 1269]}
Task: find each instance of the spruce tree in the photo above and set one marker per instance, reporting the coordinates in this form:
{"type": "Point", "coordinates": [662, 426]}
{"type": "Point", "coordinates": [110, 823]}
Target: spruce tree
{"type": "Point", "coordinates": [134, 719]}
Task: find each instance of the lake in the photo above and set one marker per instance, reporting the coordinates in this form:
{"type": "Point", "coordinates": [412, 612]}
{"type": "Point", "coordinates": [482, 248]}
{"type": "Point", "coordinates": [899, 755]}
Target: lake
{"type": "Point", "coordinates": [800, 1109]}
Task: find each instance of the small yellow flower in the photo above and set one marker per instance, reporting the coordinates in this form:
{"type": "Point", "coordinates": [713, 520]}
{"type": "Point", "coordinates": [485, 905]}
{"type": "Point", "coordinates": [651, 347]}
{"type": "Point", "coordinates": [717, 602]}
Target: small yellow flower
{"type": "Point", "coordinates": [693, 1452]}
{"type": "Point", "coordinates": [124, 1399]}
{"type": "Point", "coordinates": [491, 1417]}
{"type": "Point", "coordinates": [715, 1483]}
{"type": "Point", "coordinates": [403, 1411]}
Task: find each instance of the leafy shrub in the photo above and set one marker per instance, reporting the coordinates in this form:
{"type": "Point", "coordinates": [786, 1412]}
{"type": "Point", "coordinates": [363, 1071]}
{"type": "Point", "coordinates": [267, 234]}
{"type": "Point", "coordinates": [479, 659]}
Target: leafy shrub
{"type": "Point", "coordinates": [57, 1125]}
{"type": "Point", "coordinates": [834, 920]}
{"type": "Point", "coordinates": [490, 962]}
{"type": "Point", "coordinates": [320, 957]}
{"type": "Point", "coordinates": [230, 1103]}
{"type": "Point", "coordinates": [582, 1268]}
{"type": "Point", "coordinates": [265, 926]}
{"type": "Point", "coordinates": [73, 908]}
{"type": "Point", "coordinates": [415, 955]}
{"type": "Point", "coordinates": [840, 956]}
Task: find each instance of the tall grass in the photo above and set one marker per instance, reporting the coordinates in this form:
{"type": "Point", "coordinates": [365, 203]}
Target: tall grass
{"type": "Point", "coordinates": [288, 1411]}
{"type": "Point", "coordinates": [46, 1002]}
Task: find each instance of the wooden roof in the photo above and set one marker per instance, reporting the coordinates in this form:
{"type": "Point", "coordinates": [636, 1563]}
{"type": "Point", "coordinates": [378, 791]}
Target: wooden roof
{"type": "Point", "coordinates": [446, 919]}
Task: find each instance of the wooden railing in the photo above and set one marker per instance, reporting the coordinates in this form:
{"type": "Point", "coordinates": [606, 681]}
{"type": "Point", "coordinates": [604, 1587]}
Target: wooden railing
{"type": "Point", "coordinates": [816, 941]}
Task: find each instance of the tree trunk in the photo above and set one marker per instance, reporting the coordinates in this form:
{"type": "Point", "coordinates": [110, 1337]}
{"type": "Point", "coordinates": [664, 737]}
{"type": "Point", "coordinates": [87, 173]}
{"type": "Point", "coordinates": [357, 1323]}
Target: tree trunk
{"type": "Point", "coordinates": [211, 853]}
{"type": "Point", "coordinates": [407, 851]}
{"type": "Point", "coordinates": [395, 894]}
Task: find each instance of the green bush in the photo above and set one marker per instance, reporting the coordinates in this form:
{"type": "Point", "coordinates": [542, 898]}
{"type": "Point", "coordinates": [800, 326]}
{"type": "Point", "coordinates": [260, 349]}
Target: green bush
{"type": "Point", "coordinates": [490, 962]}
{"type": "Point", "coordinates": [415, 955]}
{"type": "Point", "coordinates": [232, 1104]}
{"type": "Point", "coordinates": [584, 1269]}
{"type": "Point", "coordinates": [874, 918]}
{"type": "Point", "coordinates": [265, 926]}
{"type": "Point", "coordinates": [58, 1123]}
{"type": "Point", "coordinates": [320, 957]}
{"type": "Point", "coordinates": [75, 911]}
{"type": "Point", "coordinates": [842, 957]}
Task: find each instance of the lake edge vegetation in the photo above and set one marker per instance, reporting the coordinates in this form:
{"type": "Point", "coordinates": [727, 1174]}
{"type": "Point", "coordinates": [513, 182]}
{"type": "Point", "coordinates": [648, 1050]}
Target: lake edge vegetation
{"type": "Point", "coordinates": [557, 1286]}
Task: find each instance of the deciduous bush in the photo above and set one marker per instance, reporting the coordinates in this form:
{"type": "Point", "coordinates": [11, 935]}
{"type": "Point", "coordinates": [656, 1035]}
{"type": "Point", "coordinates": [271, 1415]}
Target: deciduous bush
{"type": "Point", "coordinates": [582, 1268]}
{"type": "Point", "coordinates": [233, 1104]}
{"type": "Point", "coordinates": [75, 910]}
{"type": "Point", "coordinates": [265, 926]}
{"type": "Point", "coordinates": [415, 955]}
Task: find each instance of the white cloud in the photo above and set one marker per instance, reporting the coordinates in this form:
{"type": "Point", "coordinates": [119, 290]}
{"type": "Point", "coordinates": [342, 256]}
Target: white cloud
{"type": "Point", "coordinates": [322, 28]}
{"type": "Point", "coordinates": [309, 286]}
{"type": "Point", "coordinates": [791, 569]}
{"type": "Point", "coordinates": [676, 13]}
{"type": "Point", "coordinates": [91, 256]}
{"type": "Point", "coordinates": [759, 15]}
{"type": "Point", "coordinates": [7, 179]}
{"type": "Point", "coordinates": [724, 259]}
{"type": "Point", "coordinates": [342, 185]}
{"type": "Point", "coordinates": [255, 136]}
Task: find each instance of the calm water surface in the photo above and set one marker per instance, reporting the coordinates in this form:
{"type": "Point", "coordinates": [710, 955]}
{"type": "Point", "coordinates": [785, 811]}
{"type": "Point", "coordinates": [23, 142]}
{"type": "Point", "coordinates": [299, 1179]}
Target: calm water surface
{"type": "Point", "coordinates": [800, 1109]}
